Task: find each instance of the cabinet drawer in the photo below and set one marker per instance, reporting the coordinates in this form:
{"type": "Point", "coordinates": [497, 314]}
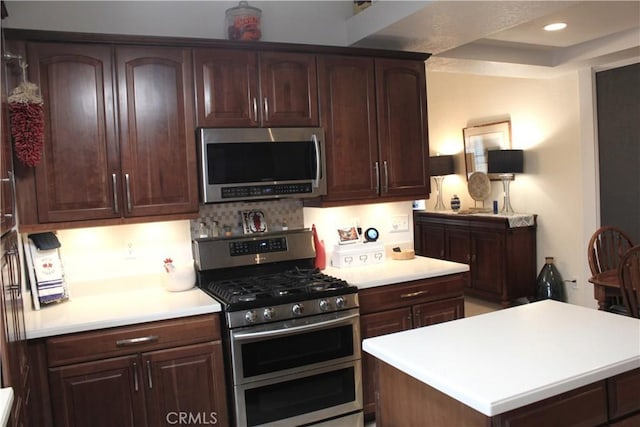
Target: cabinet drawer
{"type": "Point", "coordinates": [624, 394]}
{"type": "Point", "coordinates": [409, 293]}
{"type": "Point", "coordinates": [112, 342]}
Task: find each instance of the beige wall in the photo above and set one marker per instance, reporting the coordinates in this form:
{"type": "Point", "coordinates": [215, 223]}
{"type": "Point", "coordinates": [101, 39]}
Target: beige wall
{"type": "Point", "coordinates": [545, 118]}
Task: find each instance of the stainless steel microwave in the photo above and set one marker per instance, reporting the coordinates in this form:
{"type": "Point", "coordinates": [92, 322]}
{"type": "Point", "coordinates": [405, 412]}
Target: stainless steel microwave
{"type": "Point", "coordinates": [261, 163]}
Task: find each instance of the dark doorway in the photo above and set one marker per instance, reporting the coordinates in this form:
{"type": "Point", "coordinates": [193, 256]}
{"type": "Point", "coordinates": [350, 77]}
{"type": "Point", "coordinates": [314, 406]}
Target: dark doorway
{"type": "Point", "coordinates": [618, 103]}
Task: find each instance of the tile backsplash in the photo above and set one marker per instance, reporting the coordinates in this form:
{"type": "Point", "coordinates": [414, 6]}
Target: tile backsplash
{"type": "Point", "coordinates": [276, 212]}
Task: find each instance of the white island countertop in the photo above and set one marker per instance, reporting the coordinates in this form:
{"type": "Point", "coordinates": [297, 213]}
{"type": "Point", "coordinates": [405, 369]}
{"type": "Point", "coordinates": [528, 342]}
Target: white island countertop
{"type": "Point", "coordinates": [396, 271]}
{"type": "Point", "coordinates": [510, 358]}
{"type": "Point", "coordinates": [114, 302]}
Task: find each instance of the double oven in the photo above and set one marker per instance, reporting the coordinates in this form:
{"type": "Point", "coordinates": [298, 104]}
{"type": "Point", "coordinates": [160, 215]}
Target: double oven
{"type": "Point", "coordinates": [292, 334]}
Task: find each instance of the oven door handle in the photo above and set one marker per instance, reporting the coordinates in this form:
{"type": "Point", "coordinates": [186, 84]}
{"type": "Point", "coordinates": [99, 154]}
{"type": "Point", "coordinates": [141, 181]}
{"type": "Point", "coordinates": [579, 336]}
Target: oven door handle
{"type": "Point", "coordinates": [288, 331]}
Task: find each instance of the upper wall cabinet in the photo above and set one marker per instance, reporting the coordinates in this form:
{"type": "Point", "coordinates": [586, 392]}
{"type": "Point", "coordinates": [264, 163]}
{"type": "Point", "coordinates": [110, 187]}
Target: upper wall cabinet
{"type": "Point", "coordinates": [102, 162]}
{"type": "Point", "coordinates": [240, 88]}
{"type": "Point", "coordinates": [375, 120]}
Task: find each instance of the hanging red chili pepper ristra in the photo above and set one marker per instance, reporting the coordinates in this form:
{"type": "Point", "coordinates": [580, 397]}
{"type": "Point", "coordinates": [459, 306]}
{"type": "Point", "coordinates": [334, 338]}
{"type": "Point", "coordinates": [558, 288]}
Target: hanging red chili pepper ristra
{"type": "Point", "coordinates": [26, 112]}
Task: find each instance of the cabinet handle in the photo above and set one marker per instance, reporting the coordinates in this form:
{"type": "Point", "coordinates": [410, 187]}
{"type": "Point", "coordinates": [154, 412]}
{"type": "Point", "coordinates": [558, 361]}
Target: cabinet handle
{"type": "Point", "coordinates": [114, 182]}
{"type": "Point", "coordinates": [414, 294]}
{"type": "Point", "coordinates": [385, 187]}
{"type": "Point", "coordinates": [149, 374]}
{"type": "Point", "coordinates": [136, 341]}
{"type": "Point", "coordinates": [135, 376]}
{"type": "Point", "coordinates": [255, 109]}
{"type": "Point", "coordinates": [376, 167]}
{"type": "Point", "coordinates": [473, 258]}
{"type": "Point", "coordinates": [266, 109]}
{"type": "Point", "coordinates": [127, 181]}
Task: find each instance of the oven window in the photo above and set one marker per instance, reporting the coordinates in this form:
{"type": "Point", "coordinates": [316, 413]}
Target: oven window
{"type": "Point", "coordinates": [252, 162]}
{"type": "Point", "coordinates": [300, 396]}
{"type": "Point", "coordinates": [292, 351]}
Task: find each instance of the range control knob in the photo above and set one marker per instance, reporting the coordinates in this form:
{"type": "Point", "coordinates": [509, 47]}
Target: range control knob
{"type": "Point", "coordinates": [340, 302]}
{"type": "Point", "coordinates": [297, 309]}
{"type": "Point", "coordinates": [250, 316]}
{"type": "Point", "coordinates": [324, 305]}
{"type": "Point", "coordinates": [268, 313]}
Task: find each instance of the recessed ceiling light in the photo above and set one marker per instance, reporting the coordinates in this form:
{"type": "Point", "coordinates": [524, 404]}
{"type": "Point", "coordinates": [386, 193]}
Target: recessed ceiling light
{"type": "Point", "coordinates": [556, 26]}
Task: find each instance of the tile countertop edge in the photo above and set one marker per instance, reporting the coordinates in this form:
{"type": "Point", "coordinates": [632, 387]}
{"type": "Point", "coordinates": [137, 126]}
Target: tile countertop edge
{"type": "Point", "coordinates": [392, 349]}
{"type": "Point", "coordinates": [396, 271]}
{"type": "Point", "coordinates": [6, 400]}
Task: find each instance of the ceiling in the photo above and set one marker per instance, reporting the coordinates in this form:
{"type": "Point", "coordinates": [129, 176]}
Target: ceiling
{"type": "Point", "coordinates": [504, 37]}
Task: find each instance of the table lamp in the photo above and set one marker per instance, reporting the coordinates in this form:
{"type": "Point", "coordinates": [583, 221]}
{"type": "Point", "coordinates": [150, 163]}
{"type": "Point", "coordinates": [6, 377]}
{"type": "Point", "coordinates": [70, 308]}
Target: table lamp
{"type": "Point", "coordinates": [439, 166]}
{"type": "Point", "coordinates": [506, 163]}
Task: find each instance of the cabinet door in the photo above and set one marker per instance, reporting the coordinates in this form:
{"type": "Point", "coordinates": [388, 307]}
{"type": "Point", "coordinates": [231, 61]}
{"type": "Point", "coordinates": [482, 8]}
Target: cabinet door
{"type": "Point", "coordinates": [487, 270]}
{"type": "Point", "coordinates": [402, 123]}
{"type": "Point", "coordinates": [289, 89]}
{"type": "Point", "coordinates": [75, 178]}
{"type": "Point", "coordinates": [437, 312]}
{"type": "Point", "coordinates": [347, 105]}
{"type": "Point", "coordinates": [373, 325]}
{"type": "Point", "coordinates": [7, 217]}
{"type": "Point", "coordinates": [458, 245]}
{"type": "Point", "coordinates": [101, 393]}
{"type": "Point", "coordinates": [429, 240]}
{"type": "Point", "coordinates": [157, 135]}
{"type": "Point", "coordinates": [226, 88]}
{"type": "Point", "coordinates": [186, 379]}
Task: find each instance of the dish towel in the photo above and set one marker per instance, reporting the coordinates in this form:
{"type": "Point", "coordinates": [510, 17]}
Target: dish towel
{"type": "Point", "coordinates": [47, 267]}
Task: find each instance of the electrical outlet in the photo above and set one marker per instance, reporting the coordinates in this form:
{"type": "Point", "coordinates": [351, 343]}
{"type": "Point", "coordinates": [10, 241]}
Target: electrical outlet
{"type": "Point", "coordinates": [399, 223]}
{"type": "Point", "coordinates": [130, 252]}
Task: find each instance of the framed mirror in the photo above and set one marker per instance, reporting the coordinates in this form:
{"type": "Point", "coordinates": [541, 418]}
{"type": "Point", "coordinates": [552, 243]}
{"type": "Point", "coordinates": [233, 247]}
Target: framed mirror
{"type": "Point", "coordinates": [482, 138]}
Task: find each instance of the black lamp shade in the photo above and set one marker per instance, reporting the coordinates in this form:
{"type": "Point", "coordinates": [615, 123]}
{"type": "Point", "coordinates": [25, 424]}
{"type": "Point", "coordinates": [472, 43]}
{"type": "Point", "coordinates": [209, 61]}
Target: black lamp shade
{"type": "Point", "coordinates": [440, 165]}
{"type": "Point", "coordinates": [505, 161]}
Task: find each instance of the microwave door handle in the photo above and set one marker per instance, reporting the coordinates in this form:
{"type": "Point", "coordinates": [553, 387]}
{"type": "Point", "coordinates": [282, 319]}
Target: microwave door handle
{"type": "Point", "coordinates": [295, 329]}
{"type": "Point", "coordinates": [316, 145]}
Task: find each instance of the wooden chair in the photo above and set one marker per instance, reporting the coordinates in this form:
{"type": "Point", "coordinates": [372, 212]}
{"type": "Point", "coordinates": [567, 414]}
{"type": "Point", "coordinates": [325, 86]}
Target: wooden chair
{"type": "Point", "coordinates": [606, 248]}
{"type": "Point", "coordinates": [629, 277]}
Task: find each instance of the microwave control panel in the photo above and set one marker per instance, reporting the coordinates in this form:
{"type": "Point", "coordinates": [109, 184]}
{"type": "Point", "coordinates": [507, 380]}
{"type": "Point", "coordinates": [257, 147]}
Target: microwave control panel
{"type": "Point", "coordinates": [265, 190]}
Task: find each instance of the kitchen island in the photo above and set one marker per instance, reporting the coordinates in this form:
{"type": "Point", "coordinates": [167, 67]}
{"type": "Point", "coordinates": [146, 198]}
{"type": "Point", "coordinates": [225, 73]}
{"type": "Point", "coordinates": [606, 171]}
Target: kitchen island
{"type": "Point", "coordinates": [545, 363]}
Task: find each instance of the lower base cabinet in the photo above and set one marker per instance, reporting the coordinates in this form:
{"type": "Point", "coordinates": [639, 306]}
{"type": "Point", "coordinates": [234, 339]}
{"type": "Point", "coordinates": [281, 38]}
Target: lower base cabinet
{"type": "Point", "coordinates": [406, 401]}
{"type": "Point", "coordinates": [156, 374]}
{"type": "Point", "coordinates": [398, 307]}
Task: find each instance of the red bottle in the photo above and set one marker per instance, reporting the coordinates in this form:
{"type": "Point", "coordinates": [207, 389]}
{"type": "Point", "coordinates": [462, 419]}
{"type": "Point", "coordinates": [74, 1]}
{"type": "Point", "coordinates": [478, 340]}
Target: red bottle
{"type": "Point", "coordinates": [321, 255]}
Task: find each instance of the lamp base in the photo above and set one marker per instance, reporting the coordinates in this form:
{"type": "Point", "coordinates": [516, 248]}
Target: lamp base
{"type": "Point", "coordinates": [439, 203]}
{"type": "Point", "coordinates": [506, 205]}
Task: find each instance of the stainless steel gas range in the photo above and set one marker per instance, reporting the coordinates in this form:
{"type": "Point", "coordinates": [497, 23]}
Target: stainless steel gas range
{"type": "Point", "coordinates": [292, 334]}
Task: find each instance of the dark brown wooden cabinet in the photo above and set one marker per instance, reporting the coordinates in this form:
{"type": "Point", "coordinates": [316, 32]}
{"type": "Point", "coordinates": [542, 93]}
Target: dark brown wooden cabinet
{"type": "Point", "coordinates": [243, 88]}
{"type": "Point", "coordinates": [402, 306]}
{"type": "Point", "coordinates": [119, 134]}
{"type": "Point", "coordinates": [149, 374]}
{"type": "Point", "coordinates": [502, 259]}
{"type": "Point", "coordinates": [589, 405]}
{"type": "Point", "coordinates": [401, 88]}
{"type": "Point", "coordinates": [7, 183]}
{"type": "Point", "coordinates": [374, 114]}
{"type": "Point", "coordinates": [13, 350]}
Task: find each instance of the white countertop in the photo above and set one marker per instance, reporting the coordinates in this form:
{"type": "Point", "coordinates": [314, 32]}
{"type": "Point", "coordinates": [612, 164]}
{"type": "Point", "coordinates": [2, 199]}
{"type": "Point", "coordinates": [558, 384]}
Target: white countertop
{"type": "Point", "coordinates": [396, 271]}
{"type": "Point", "coordinates": [6, 400]}
{"type": "Point", "coordinates": [510, 358]}
{"type": "Point", "coordinates": [114, 302]}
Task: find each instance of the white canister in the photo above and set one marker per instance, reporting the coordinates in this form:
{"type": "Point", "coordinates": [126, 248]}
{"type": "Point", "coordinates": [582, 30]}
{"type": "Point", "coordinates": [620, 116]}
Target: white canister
{"type": "Point", "coordinates": [179, 277]}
